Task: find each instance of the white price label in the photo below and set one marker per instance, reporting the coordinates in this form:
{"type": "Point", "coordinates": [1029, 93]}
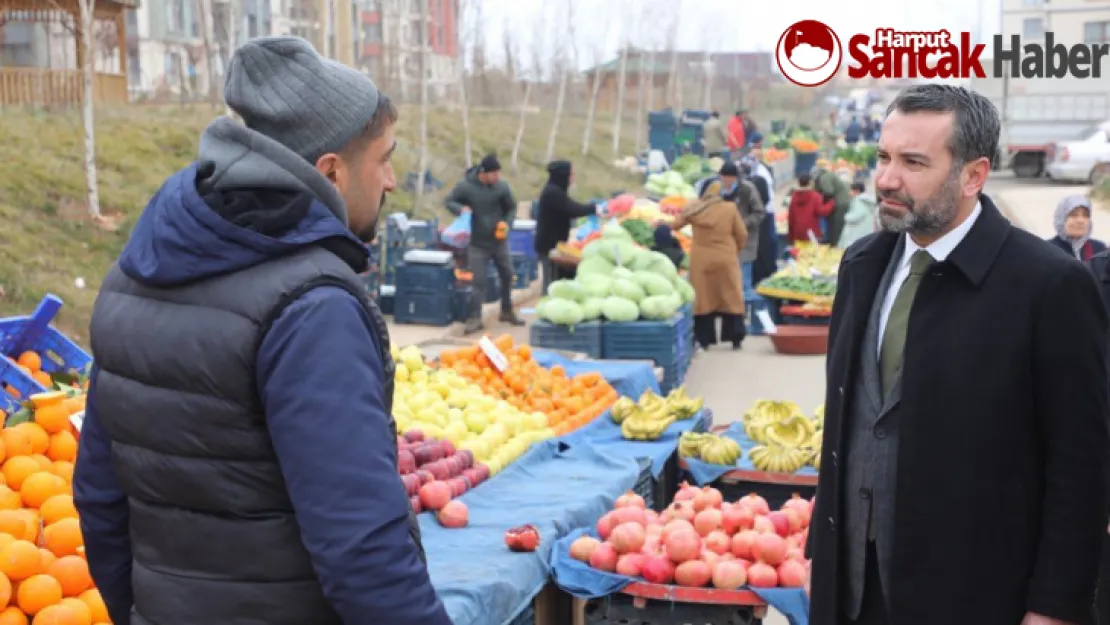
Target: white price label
{"type": "Point", "coordinates": [499, 361]}
{"type": "Point", "coordinates": [765, 320]}
{"type": "Point", "coordinates": [812, 237]}
{"type": "Point", "coordinates": [77, 419]}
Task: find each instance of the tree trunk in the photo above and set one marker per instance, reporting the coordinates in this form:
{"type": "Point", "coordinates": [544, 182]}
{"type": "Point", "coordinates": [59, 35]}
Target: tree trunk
{"type": "Point", "coordinates": [561, 99]}
{"type": "Point", "coordinates": [235, 20]}
{"type": "Point", "coordinates": [467, 148]}
{"type": "Point", "coordinates": [88, 10]}
{"type": "Point", "coordinates": [204, 19]}
{"type": "Point", "coordinates": [621, 75]}
{"type": "Point", "coordinates": [707, 102]}
{"type": "Point", "coordinates": [520, 124]}
{"type": "Point", "coordinates": [423, 105]}
{"type": "Point", "coordinates": [587, 135]}
{"type": "Point", "coordinates": [641, 96]}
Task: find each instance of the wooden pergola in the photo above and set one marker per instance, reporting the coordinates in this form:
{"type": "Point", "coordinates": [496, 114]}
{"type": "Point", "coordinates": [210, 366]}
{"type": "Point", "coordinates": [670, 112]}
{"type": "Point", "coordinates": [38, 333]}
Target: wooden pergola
{"type": "Point", "coordinates": [44, 80]}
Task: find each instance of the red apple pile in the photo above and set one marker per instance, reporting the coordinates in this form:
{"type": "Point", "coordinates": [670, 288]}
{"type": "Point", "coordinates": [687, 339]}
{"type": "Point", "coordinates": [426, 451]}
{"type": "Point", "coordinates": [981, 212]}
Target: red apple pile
{"type": "Point", "coordinates": [702, 540]}
{"type": "Point", "coordinates": [434, 473]}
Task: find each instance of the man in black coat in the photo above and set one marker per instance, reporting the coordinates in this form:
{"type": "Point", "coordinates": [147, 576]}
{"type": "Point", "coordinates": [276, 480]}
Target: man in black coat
{"type": "Point", "coordinates": [555, 213]}
{"type": "Point", "coordinates": [963, 470]}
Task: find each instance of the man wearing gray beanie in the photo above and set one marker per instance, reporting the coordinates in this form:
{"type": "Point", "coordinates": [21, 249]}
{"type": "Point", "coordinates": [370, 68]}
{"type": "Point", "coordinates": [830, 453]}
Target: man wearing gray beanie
{"type": "Point", "coordinates": [238, 457]}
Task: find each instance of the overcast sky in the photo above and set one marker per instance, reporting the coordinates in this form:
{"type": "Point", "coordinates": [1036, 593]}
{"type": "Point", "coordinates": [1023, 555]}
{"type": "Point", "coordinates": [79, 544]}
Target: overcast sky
{"type": "Point", "coordinates": [717, 25]}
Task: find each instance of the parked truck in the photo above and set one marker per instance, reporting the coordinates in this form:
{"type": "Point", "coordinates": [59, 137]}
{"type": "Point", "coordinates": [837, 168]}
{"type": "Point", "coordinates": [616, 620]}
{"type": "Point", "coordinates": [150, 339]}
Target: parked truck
{"type": "Point", "coordinates": [1039, 114]}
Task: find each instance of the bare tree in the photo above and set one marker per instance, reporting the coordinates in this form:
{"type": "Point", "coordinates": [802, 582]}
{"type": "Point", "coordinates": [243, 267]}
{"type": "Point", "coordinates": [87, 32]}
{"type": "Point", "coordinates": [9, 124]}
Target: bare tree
{"type": "Point", "coordinates": [510, 53]}
{"type": "Point", "coordinates": [565, 68]}
{"type": "Point", "coordinates": [462, 91]}
{"type": "Point", "coordinates": [707, 67]}
{"type": "Point", "coordinates": [423, 163]}
{"type": "Point", "coordinates": [204, 19]}
{"type": "Point", "coordinates": [598, 75]}
{"type": "Point", "coordinates": [479, 58]}
{"type": "Point", "coordinates": [619, 112]}
{"type": "Point", "coordinates": [87, 10]}
{"type": "Point", "coordinates": [641, 78]}
{"type": "Point", "coordinates": [535, 77]}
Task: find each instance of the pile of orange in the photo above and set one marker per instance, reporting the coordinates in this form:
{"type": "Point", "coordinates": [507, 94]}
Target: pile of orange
{"type": "Point", "coordinates": [31, 364]}
{"type": "Point", "coordinates": [44, 579]}
{"type": "Point", "coordinates": [568, 402]}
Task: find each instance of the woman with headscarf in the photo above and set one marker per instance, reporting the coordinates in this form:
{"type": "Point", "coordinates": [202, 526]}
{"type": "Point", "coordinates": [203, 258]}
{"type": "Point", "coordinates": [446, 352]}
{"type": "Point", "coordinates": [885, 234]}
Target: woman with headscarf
{"type": "Point", "coordinates": [1073, 228]}
{"type": "Point", "coordinates": [667, 245]}
{"type": "Point", "coordinates": [719, 235]}
{"type": "Point", "coordinates": [554, 214]}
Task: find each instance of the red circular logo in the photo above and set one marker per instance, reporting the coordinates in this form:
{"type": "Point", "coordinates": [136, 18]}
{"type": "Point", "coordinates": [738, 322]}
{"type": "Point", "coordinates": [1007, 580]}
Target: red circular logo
{"type": "Point", "coordinates": [808, 53]}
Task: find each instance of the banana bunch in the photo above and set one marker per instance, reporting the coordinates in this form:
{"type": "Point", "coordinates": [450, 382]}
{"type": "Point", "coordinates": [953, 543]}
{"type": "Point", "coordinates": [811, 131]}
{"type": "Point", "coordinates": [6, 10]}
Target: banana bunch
{"type": "Point", "coordinates": [776, 458]}
{"type": "Point", "coordinates": [819, 417]}
{"type": "Point", "coordinates": [794, 431]}
{"type": "Point", "coordinates": [622, 409]}
{"type": "Point", "coordinates": [645, 426]}
{"type": "Point", "coordinates": [709, 448]}
{"type": "Point", "coordinates": [690, 444]}
{"type": "Point", "coordinates": [764, 413]}
{"type": "Point", "coordinates": [815, 459]}
{"type": "Point", "coordinates": [681, 406]}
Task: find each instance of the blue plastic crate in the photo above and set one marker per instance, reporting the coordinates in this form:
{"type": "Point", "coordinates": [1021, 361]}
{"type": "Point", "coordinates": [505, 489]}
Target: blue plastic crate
{"type": "Point", "coordinates": [584, 338]}
{"type": "Point", "coordinates": [523, 242]}
{"type": "Point", "coordinates": [430, 309]}
{"type": "Point", "coordinates": [11, 377]}
{"type": "Point", "coordinates": [524, 271]}
{"type": "Point", "coordinates": [460, 302]}
{"type": "Point", "coordinates": [657, 340]}
{"type": "Point", "coordinates": [34, 333]}
{"type": "Point", "coordinates": [421, 278]}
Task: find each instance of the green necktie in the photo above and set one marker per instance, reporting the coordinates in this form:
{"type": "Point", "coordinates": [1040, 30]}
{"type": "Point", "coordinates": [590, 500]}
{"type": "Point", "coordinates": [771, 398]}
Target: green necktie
{"type": "Point", "coordinates": [894, 337]}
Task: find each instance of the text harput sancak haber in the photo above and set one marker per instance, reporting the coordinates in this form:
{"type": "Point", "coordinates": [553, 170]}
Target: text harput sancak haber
{"type": "Point", "coordinates": [898, 54]}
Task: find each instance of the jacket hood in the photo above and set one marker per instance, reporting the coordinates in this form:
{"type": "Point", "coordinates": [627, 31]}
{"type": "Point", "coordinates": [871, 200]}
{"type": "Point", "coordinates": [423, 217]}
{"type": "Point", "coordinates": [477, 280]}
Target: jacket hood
{"type": "Point", "coordinates": [558, 174]}
{"type": "Point", "coordinates": [1060, 218]}
{"type": "Point", "coordinates": [246, 200]}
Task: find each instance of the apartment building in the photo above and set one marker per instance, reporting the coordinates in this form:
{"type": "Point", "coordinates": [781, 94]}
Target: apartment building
{"type": "Point", "coordinates": [1070, 21]}
{"type": "Point", "coordinates": [388, 39]}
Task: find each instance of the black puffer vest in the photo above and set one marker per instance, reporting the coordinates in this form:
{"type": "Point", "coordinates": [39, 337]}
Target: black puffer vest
{"type": "Point", "coordinates": [213, 533]}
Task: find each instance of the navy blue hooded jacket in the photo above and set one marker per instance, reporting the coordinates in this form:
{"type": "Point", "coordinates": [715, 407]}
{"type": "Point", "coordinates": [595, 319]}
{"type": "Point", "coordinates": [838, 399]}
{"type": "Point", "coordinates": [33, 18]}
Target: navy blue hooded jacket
{"type": "Point", "coordinates": [339, 462]}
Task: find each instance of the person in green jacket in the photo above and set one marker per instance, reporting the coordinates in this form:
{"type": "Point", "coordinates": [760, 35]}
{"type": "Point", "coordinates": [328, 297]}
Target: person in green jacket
{"type": "Point", "coordinates": [833, 189]}
{"type": "Point", "coordinates": [859, 221]}
{"type": "Point", "coordinates": [492, 208]}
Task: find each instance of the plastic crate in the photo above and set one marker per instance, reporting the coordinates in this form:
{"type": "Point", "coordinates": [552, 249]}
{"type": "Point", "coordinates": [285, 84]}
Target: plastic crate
{"type": "Point", "coordinates": [386, 299]}
{"type": "Point", "coordinates": [34, 333]}
{"type": "Point", "coordinates": [584, 337]}
{"type": "Point", "coordinates": [663, 342]}
{"type": "Point", "coordinates": [431, 309]}
{"type": "Point", "coordinates": [524, 271]}
{"type": "Point", "coordinates": [421, 278]}
{"type": "Point", "coordinates": [13, 379]}
{"type": "Point", "coordinates": [523, 242]}
{"type": "Point", "coordinates": [460, 302]}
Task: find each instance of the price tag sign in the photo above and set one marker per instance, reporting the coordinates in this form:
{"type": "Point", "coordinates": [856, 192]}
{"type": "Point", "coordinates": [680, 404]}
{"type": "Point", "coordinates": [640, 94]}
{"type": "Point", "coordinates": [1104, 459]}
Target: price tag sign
{"type": "Point", "coordinates": [812, 237]}
{"type": "Point", "coordinates": [77, 419]}
{"type": "Point", "coordinates": [765, 320]}
{"type": "Point", "coordinates": [499, 361]}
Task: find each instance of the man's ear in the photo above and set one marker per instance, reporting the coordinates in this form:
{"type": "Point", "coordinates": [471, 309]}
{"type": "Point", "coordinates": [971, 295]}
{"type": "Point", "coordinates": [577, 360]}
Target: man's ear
{"type": "Point", "coordinates": [330, 166]}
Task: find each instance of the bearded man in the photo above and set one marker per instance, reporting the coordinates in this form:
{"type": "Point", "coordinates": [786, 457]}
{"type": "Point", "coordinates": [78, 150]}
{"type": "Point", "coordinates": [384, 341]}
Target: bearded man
{"type": "Point", "coordinates": [963, 471]}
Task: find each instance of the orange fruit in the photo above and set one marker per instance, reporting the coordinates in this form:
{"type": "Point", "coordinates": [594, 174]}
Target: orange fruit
{"type": "Point", "coordinates": [6, 539]}
{"type": "Point", "coordinates": [48, 558]}
{"type": "Point", "coordinates": [81, 611]}
{"type": "Point", "coordinates": [34, 523]}
{"type": "Point", "coordinates": [53, 417]}
{"type": "Point", "coordinates": [64, 537]}
{"type": "Point", "coordinates": [12, 523]}
{"type": "Point", "coordinates": [19, 468]}
{"type": "Point", "coordinates": [20, 560]}
{"type": "Point", "coordinates": [45, 463]}
{"type": "Point", "coordinates": [43, 378]}
{"type": "Point", "coordinates": [10, 499]}
{"type": "Point", "coordinates": [57, 508]}
{"type": "Point", "coordinates": [62, 469]}
{"type": "Point", "coordinates": [38, 592]}
{"type": "Point", "coordinates": [57, 615]}
{"type": "Point", "coordinates": [5, 590]}
{"type": "Point", "coordinates": [92, 598]}
{"type": "Point", "coordinates": [16, 443]}
{"type": "Point", "coordinates": [63, 446]}
{"type": "Point", "coordinates": [30, 360]}
{"type": "Point", "coordinates": [75, 404]}
{"type": "Point", "coordinates": [38, 437]}
{"type": "Point", "coordinates": [72, 572]}
{"type": "Point", "coordinates": [12, 615]}
{"type": "Point", "coordinates": [38, 487]}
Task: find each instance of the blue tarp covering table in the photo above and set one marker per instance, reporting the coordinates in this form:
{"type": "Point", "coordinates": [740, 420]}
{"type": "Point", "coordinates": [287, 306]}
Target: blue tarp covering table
{"type": "Point", "coordinates": [705, 473]}
{"type": "Point", "coordinates": [553, 486]}
{"type": "Point", "coordinates": [584, 582]}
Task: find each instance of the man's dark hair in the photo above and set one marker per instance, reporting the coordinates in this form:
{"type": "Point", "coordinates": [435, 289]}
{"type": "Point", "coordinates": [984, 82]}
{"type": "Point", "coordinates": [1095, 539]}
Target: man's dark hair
{"type": "Point", "coordinates": [739, 113]}
{"type": "Point", "coordinates": [715, 114]}
{"type": "Point", "coordinates": [858, 187]}
{"type": "Point", "coordinates": [384, 116]}
{"type": "Point", "coordinates": [976, 128]}
{"type": "Point", "coordinates": [804, 180]}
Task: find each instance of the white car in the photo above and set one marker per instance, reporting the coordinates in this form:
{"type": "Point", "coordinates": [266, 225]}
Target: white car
{"type": "Point", "coordinates": [1082, 159]}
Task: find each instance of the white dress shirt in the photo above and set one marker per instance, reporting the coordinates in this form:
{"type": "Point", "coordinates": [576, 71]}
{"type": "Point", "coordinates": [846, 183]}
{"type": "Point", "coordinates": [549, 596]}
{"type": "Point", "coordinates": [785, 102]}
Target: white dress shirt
{"type": "Point", "coordinates": [939, 250]}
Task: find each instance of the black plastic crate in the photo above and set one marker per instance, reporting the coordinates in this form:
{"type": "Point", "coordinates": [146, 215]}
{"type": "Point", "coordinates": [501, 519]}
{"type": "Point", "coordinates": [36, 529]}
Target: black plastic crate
{"type": "Point", "coordinates": [583, 337]}
{"type": "Point", "coordinates": [431, 309]}
{"type": "Point", "coordinates": [460, 302]}
{"type": "Point", "coordinates": [422, 278]}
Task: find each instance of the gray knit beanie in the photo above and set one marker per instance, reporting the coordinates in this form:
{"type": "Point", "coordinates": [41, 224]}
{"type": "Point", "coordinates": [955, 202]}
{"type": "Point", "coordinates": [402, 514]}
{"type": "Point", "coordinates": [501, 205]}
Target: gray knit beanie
{"type": "Point", "coordinates": [284, 89]}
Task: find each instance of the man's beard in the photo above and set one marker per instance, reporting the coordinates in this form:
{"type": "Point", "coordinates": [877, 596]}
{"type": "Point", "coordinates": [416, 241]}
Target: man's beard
{"type": "Point", "coordinates": [931, 216]}
{"type": "Point", "coordinates": [370, 232]}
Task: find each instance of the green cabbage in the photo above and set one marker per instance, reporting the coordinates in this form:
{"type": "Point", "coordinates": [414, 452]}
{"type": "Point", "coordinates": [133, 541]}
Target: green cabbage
{"type": "Point", "coordinates": [613, 230]}
{"type": "Point", "coordinates": [617, 309]}
{"type": "Point", "coordinates": [684, 290]}
{"type": "Point", "coordinates": [659, 307]}
{"type": "Point", "coordinates": [541, 305]}
{"type": "Point", "coordinates": [620, 273]}
{"type": "Point", "coordinates": [653, 283]}
{"type": "Point", "coordinates": [596, 285]}
{"type": "Point", "coordinates": [629, 290]}
{"type": "Point", "coordinates": [591, 308]}
{"type": "Point", "coordinates": [660, 264]}
{"type": "Point", "coordinates": [640, 262]}
{"type": "Point", "coordinates": [562, 312]}
{"type": "Point", "coordinates": [597, 247]}
{"type": "Point", "coordinates": [594, 265]}
{"type": "Point", "coordinates": [568, 290]}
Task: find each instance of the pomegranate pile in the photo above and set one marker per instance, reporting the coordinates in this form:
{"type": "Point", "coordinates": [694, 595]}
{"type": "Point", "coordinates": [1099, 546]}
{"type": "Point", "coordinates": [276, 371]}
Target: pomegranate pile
{"type": "Point", "coordinates": [702, 540]}
{"type": "Point", "coordinates": [434, 473]}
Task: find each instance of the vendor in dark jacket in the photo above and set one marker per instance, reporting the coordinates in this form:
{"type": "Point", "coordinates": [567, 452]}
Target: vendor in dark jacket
{"type": "Point", "coordinates": [555, 213]}
{"type": "Point", "coordinates": [1073, 228]}
{"type": "Point", "coordinates": [1099, 264]}
{"type": "Point", "coordinates": [667, 245]}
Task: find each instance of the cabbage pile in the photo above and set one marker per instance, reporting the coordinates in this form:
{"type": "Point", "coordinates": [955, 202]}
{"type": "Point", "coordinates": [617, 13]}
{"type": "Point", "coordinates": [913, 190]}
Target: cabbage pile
{"type": "Point", "coordinates": [617, 281]}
